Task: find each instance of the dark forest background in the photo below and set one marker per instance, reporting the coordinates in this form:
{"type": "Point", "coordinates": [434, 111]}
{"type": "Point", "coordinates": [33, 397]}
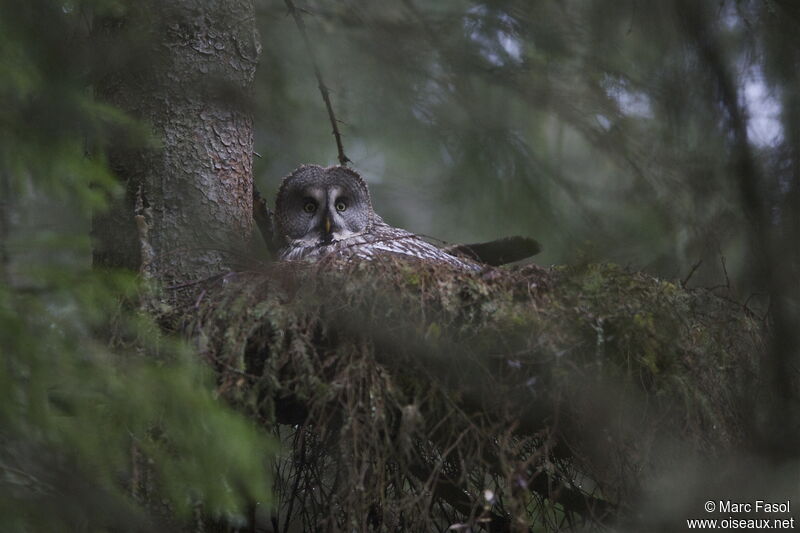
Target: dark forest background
{"type": "Point", "coordinates": [660, 136]}
{"type": "Point", "coordinates": [600, 129]}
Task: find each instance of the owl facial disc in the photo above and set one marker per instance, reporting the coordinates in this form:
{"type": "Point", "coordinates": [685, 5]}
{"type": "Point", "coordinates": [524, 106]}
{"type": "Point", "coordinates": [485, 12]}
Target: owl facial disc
{"type": "Point", "coordinates": [319, 206]}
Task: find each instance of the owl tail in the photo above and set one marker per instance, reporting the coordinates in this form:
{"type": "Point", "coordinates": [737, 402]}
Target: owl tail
{"type": "Point", "coordinates": [497, 252]}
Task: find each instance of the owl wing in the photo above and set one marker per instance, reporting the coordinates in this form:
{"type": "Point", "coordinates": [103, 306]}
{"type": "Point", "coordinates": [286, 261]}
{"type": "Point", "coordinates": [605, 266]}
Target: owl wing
{"type": "Point", "coordinates": [386, 239]}
{"type": "Point", "coordinates": [380, 240]}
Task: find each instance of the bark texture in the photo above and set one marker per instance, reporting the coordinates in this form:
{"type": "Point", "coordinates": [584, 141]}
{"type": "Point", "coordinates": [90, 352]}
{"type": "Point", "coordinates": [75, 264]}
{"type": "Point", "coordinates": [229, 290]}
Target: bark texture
{"type": "Point", "coordinates": [188, 192]}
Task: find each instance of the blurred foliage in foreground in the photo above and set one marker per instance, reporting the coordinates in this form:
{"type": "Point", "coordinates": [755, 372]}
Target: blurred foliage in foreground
{"type": "Point", "coordinates": [620, 124]}
{"type": "Point", "coordinates": [96, 405]}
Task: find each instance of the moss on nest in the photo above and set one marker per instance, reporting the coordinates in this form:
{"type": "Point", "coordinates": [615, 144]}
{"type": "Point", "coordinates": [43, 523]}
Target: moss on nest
{"type": "Point", "coordinates": [417, 387]}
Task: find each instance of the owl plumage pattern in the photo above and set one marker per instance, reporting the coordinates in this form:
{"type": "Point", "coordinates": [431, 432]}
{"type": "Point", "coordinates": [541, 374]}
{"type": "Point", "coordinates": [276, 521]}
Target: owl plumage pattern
{"type": "Point", "coordinates": [321, 212]}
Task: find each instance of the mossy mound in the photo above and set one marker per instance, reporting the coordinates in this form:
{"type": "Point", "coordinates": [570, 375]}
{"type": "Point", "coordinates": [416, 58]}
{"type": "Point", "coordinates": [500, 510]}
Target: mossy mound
{"type": "Point", "coordinates": [411, 390]}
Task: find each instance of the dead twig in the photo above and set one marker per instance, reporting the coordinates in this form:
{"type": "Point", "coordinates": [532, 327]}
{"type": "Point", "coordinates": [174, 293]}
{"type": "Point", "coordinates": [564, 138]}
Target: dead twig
{"type": "Point", "coordinates": [691, 273]}
{"type": "Point", "coordinates": [323, 89]}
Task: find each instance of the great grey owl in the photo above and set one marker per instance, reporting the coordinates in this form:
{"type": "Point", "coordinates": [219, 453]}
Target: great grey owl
{"type": "Point", "coordinates": [322, 211]}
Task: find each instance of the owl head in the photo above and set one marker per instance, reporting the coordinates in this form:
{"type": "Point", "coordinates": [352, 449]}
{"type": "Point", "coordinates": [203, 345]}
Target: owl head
{"type": "Point", "coordinates": [318, 205]}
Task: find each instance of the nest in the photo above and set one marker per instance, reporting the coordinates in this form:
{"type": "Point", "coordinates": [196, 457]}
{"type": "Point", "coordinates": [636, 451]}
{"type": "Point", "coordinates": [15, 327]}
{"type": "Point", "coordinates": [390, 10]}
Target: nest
{"type": "Point", "coordinates": [417, 397]}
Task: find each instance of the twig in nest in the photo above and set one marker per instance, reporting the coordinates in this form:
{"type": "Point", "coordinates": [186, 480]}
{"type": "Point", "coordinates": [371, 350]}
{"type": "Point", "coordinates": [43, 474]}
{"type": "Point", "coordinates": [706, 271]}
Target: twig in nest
{"type": "Point", "coordinates": [691, 273]}
{"type": "Point", "coordinates": [143, 217]}
{"type": "Point", "coordinates": [323, 89]}
{"type": "Point", "coordinates": [264, 221]}
{"type": "Point", "coordinates": [725, 271]}
{"type": "Point", "coordinates": [727, 284]}
{"type": "Point", "coordinates": [196, 281]}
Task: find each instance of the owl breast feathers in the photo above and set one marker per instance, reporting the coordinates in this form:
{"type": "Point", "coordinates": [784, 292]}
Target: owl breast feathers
{"type": "Point", "coordinates": [328, 211]}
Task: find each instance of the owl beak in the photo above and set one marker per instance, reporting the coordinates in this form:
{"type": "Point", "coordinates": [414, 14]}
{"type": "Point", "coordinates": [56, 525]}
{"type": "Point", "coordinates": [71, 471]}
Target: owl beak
{"type": "Point", "coordinates": [327, 224]}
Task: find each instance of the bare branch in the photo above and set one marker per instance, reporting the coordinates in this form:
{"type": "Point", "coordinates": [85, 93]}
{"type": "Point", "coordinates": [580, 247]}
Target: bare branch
{"type": "Point", "coordinates": [323, 89]}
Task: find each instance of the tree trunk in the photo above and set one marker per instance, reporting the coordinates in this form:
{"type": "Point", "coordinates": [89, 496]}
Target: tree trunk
{"type": "Point", "coordinates": [187, 201]}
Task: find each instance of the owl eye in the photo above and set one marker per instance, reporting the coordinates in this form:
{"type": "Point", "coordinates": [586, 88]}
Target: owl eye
{"type": "Point", "coordinates": [310, 207]}
{"type": "Point", "coordinates": [341, 206]}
